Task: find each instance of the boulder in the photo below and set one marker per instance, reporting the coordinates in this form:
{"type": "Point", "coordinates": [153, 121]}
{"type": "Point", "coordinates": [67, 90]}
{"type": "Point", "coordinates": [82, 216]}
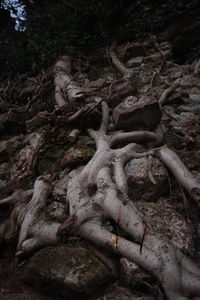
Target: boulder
{"type": "Point", "coordinates": [79, 154]}
{"type": "Point", "coordinates": [66, 271]}
{"type": "Point", "coordinates": [116, 291]}
{"type": "Point", "coordinates": [166, 221]}
{"type": "Point", "coordinates": [120, 91]}
{"type": "Point", "coordinates": [140, 183]}
{"type": "Point", "coordinates": [133, 275]}
{"type": "Point", "coordinates": [145, 112]}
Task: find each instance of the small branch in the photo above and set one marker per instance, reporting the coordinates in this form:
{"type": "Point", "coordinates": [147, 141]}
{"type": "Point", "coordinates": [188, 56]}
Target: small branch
{"type": "Point", "coordinates": [167, 92]}
{"type": "Point", "coordinates": [127, 73]}
{"type": "Point", "coordinates": [75, 116]}
{"type": "Point", "coordinates": [72, 137]}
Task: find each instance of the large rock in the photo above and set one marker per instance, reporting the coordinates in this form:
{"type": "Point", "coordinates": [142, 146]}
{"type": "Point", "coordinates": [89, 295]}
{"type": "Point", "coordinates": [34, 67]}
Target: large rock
{"type": "Point", "coordinates": [116, 291]}
{"type": "Point", "coordinates": [79, 154]}
{"type": "Point", "coordinates": [66, 271]}
{"type": "Point", "coordinates": [166, 221]}
{"type": "Point", "coordinates": [145, 112]}
{"type": "Point", "coordinates": [141, 185]}
{"type": "Point", "coordinates": [133, 275]}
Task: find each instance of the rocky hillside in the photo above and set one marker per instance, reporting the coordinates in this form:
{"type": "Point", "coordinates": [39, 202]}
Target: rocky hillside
{"type": "Point", "coordinates": [44, 124]}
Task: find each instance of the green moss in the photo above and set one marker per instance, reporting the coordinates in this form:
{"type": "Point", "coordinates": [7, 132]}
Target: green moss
{"type": "Point", "coordinates": [50, 160]}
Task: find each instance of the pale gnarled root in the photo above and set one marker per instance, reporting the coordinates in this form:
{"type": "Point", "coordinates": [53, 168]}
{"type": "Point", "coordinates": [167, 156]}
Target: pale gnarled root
{"type": "Point", "coordinates": [107, 198]}
{"type": "Point", "coordinates": [181, 173]}
{"type": "Point", "coordinates": [17, 200]}
{"type": "Point", "coordinates": [163, 98]}
{"type": "Point", "coordinates": [35, 231]}
{"type": "Point", "coordinates": [179, 276]}
{"type": "Point", "coordinates": [126, 72]}
{"type": "Point", "coordinates": [99, 193]}
{"type": "Point", "coordinates": [73, 135]}
{"type": "Point", "coordinates": [154, 138]}
{"type": "Point", "coordinates": [64, 84]}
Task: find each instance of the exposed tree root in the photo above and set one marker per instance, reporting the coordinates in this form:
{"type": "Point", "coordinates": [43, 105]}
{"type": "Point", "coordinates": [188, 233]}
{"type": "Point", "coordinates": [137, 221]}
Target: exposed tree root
{"type": "Point", "coordinates": [126, 72]}
{"type": "Point", "coordinates": [99, 193]}
{"type": "Point", "coordinates": [64, 84]}
{"type": "Point", "coordinates": [166, 93]}
{"type": "Point", "coordinates": [182, 174]}
{"type": "Point", "coordinates": [35, 231]}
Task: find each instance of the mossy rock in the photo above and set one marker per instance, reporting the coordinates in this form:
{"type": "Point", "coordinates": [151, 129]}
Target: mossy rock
{"type": "Point", "coordinates": [50, 160]}
{"type": "Point", "coordinates": [77, 155]}
{"type": "Point", "coordinates": [66, 271]}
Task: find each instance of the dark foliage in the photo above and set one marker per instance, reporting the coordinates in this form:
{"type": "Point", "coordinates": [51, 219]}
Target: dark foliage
{"type": "Point", "coordinates": [53, 27]}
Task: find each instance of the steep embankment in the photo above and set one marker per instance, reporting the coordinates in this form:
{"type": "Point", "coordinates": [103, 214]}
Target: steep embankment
{"type": "Point", "coordinates": [38, 138]}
